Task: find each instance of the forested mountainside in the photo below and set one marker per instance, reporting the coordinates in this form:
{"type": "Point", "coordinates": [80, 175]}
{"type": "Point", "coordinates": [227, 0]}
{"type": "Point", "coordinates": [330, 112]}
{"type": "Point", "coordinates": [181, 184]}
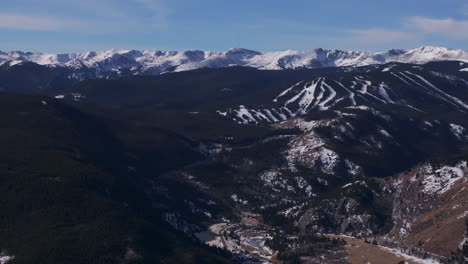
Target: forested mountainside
{"type": "Point", "coordinates": [234, 164]}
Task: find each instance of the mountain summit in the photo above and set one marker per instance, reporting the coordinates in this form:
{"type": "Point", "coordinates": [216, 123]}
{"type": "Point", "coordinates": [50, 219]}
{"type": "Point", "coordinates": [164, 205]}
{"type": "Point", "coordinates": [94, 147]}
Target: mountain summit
{"type": "Point", "coordinates": [156, 62]}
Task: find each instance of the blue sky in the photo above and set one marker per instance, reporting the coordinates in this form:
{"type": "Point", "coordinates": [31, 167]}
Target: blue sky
{"type": "Point", "coordinates": [268, 25]}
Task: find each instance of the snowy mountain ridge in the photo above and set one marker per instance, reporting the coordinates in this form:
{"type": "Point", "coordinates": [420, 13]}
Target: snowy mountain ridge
{"type": "Point", "coordinates": [156, 62]}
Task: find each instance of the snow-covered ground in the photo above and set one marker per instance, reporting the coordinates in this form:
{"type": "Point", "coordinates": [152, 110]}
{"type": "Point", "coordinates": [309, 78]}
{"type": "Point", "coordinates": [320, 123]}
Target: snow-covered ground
{"type": "Point", "coordinates": [212, 236]}
{"type": "Point", "coordinates": [244, 239]}
{"type": "Point", "coordinates": [4, 258]}
{"type": "Point", "coordinates": [440, 180]}
{"type": "Point", "coordinates": [155, 61]}
{"type": "Point", "coordinates": [325, 93]}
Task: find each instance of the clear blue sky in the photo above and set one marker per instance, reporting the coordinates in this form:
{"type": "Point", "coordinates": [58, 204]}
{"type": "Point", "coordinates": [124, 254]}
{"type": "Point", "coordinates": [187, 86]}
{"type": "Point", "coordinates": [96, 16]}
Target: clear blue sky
{"type": "Point", "coordinates": [80, 25]}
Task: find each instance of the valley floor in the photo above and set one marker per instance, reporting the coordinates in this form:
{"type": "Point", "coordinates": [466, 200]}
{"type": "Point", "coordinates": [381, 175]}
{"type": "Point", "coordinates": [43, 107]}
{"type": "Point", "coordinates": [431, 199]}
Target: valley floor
{"type": "Point", "coordinates": [360, 252]}
{"type": "Point", "coordinates": [245, 239]}
{"type": "Point", "coordinates": [248, 239]}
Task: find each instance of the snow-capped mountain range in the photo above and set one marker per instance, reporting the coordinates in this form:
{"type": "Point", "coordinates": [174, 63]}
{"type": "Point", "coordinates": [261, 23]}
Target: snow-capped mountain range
{"type": "Point", "coordinates": [156, 62]}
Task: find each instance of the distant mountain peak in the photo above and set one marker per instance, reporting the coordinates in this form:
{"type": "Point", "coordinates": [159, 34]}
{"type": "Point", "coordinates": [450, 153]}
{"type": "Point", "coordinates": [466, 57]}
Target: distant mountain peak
{"type": "Point", "coordinates": [156, 62]}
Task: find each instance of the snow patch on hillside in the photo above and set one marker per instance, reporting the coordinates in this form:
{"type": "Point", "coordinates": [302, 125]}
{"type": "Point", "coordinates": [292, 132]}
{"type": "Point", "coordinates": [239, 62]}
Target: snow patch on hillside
{"type": "Point", "coordinates": [310, 150]}
{"type": "Point", "coordinates": [5, 258]}
{"type": "Point", "coordinates": [412, 258]}
{"type": "Point", "coordinates": [458, 131]}
{"type": "Point", "coordinates": [440, 180]}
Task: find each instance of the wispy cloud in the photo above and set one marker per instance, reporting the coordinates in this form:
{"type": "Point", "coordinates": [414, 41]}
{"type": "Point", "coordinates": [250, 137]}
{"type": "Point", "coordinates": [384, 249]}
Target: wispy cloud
{"type": "Point", "coordinates": [450, 27]}
{"type": "Point", "coordinates": [464, 10]}
{"type": "Point", "coordinates": [18, 21]}
{"type": "Point", "coordinates": [87, 8]}
{"type": "Point", "coordinates": [414, 30]}
{"type": "Point", "coordinates": [31, 22]}
{"type": "Point", "coordinates": [159, 12]}
{"type": "Point", "coordinates": [380, 36]}
{"type": "Point", "coordinates": [105, 16]}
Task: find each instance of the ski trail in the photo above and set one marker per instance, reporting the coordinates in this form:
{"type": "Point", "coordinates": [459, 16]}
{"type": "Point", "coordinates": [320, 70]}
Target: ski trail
{"type": "Point", "coordinates": [353, 85]}
{"type": "Point", "coordinates": [291, 114]}
{"type": "Point", "coordinates": [401, 79]}
{"type": "Point", "coordinates": [260, 115]}
{"type": "Point", "coordinates": [270, 115]}
{"type": "Point", "coordinates": [308, 96]}
{"type": "Point", "coordinates": [297, 96]}
{"type": "Point", "coordinates": [351, 94]}
{"type": "Point", "coordinates": [364, 84]}
{"type": "Point", "coordinates": [337, 101]}
{"type": "Point", "coordinates": [414, 108]}
{"type": "Point", "coordinates": [319, 96]}
{"type": "Point", "coordinates": [286, 91]}
{"type": "Point", "coordinates": [458, 101]}
{"type": "Point", "coordinates": [384, 93]}
{"type": "Point", "coordinates": [304, 95]}
{"type": "Point", "coordinates": [427, 89]}
{"type": "Point", "coordinates": [244, 112]}
{"type": "Point", "coordinates": [281, 115]}
{"type": "Point", "coordinates": [364, 87]}
{"type": "Point", "coordinates": [329, 98]}
{"type": "Point", "coordinates": [364, 98]}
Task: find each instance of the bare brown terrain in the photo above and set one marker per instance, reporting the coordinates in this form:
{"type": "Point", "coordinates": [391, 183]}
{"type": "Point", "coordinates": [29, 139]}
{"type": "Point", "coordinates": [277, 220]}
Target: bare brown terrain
{"type": "Point", "coordinates": [437, 223]}
{"type": "Point", "coordinates": [360, 252]}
